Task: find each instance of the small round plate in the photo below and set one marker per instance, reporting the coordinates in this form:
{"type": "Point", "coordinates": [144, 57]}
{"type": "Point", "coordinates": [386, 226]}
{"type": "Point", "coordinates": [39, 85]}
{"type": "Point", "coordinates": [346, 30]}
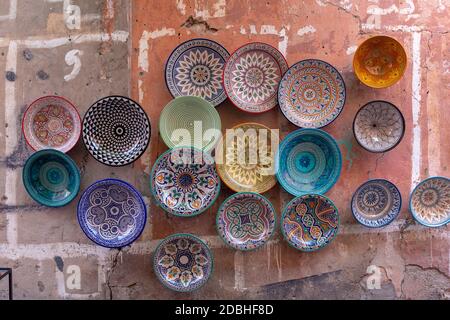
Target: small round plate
{"type": "Point", "coordinates": [195, 68]}
{"type": "Point", "coordinates": [112, 213]}
{"type": "Point", "coordinates": [376, 203]}
{"type": "Point", "coordinates": [379, 126]}
{"type": "Point", "coordinates": [116, 131]}
{"type": "Point", "coordinates": [184, 182]}
{"type": "Point", "coordinates": [380, 62]}
{"type": "Point", "coordinates": [246, 221]}
{"type": "Point", "coordinates": [184, 118]}
{"type": "Point", "coordinates": [312, 94]}
{"type": "Point", "coordinates": [183, 262]}
{"type": "Point", "coordinates": [51, 122]}
{"type": "Point", "coordinates": [245, 158]}
{"type": "Point", "coordinates": [430, 202]}
{"type": "Point", "coordinates": [252, 75]}
{"type": "Point", "coordinates": [51, 178]}
{"type": "Point", "coordinates": [308, 161]}
{"type": "Point", "coordinates": [310, 222]}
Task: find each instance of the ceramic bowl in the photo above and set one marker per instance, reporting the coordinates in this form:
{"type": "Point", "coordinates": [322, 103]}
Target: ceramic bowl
{"type": "Point", "coordinates": [51, 122]}
{"type": "Point", "coordinates": [195, 68]}
{"type": "Point", "coordinates": [376, 203]}
{"type": "Point", "coordinates": [252, 75]}
{"type": "Point", "coordinates": [380, 62]}
{"type": "Point", "coordinates": [184, 182]}
{"type": "Point", "coordinates": [430, 202]}
{"type": "Point", "coordinates": [308, 161]}
{"type": "Point", "coordinates": [379, 126]}
{"type": "Point", "coordinates": [116, 131]}
{"type": "Point", "coordinates": [245, 158]}
{"type": "Point", "coordinates": [190, 121]}
{"type": "Point", "coordinates": [310, 222]}
{"type": "Point", "coordinates": [183, 262]}
{"type": "Point", "coordinates": [246, 221]}
{"type": "Point", "coordinates": [112, 213]}
{"type": "Point", "coordinates": [312, 94]}
{"type": "Point", "coordinates": [51, 178]}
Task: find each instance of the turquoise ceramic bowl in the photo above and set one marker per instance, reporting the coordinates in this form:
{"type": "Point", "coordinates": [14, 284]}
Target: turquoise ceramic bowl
{"type": "Point", "coordinates": [308, 161]}
{"type": "Point", "coordinates": [51, 178]}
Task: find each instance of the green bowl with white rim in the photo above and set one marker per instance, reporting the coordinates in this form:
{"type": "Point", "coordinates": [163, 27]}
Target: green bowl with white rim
{"type": "Point", "coordinates": [190, 122]}
{"type": "Point", "coordinates": [51, 178]}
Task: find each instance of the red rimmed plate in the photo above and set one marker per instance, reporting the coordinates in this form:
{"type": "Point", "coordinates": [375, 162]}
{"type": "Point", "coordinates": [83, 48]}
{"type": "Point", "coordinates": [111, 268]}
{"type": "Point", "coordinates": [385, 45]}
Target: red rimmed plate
{"type": "Point", "coordinates": [51, 122]}
{"type": "Point", "coordinates": [252, 76]}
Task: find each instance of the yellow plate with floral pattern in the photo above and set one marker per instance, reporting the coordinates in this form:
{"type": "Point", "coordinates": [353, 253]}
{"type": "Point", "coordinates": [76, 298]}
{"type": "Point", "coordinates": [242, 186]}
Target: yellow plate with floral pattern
{"type": "Point", "coordinates": [245, 158]}
{"type": "Point", "coordinates": [380, 61]}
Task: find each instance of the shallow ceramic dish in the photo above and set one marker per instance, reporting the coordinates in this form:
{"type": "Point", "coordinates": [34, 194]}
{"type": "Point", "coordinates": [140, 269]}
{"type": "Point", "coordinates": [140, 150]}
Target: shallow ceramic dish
{"type": "Point", "coordinates": [379, 126]}
{"type": "Point", "coordinates": [112, 213]}
{"type": "Point", "coordinates": [308, 161]}
{"type": "Point", "coordinates": [184, 182]}
{"type": "Point", "coordinates": [195, 68]}
{"type": "Point", "coordinates": [376, 203]}
{"type": "Point", "coordinates": [380, 62]}
{"type": "Point", "coordinates": [51, 178]}
{"type": "Point", "coordinates": [430, 202]}
{"type": "Point", "coordinates": [246, 221]}
{"type": "Point", "coordinates": [245, 158]}
{"type": "Point", "coordinates": [183, 118]}
{"type": "Point", "coordinates": [183, 262]}
{"type": "Point", "coordinates": [252, 75]}
{"type": "Point", "coordinates": [116, 131]}
{"type": "Point", "coordinates": [312, 94]}
{"type": "Point", "coordinates": [51, 123]}
{"type": "Point", "coordinates": [310, 222]}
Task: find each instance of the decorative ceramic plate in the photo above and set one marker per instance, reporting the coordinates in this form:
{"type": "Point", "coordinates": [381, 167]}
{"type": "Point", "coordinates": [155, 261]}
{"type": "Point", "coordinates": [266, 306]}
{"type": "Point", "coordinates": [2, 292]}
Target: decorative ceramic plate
{"type": "Point", "coordinates": [308, 161]}
{"type": "Point", "coordinates": [376, 203]}
{"type": "Point", "coordinates": [116, 131]}
{"type": "Point", "coordinates": [183, 262]}
{"type": "Point", "coordinates": [195, 68]}
{"type": "Point", "coordinates": [430, 202]}
{"type": "Point", "coordinates": [112, 213]}
{"type": "Point", "coordinates": [380, 61]}
{"type": "Point", "coordinates": [312, 94]}
{"type": "Point", "coordinates": [184, 181]}
{"type": "Point", "coordinates": [310, 222]}
{"type": "Point", "coordinates": [51, 178]}
{"type": "Point", "coordinates": [51, 123]}
{"type": "Point", "coordinates": [245, 158]}
{"type": "Point", "coordinates": [379, 126]}
{"type": "Point", "coordinates": [252, 75]}
{"type": "Point", "coordinates": [246, 221]}
{"type": "Point", "coordinates": [190, 121]}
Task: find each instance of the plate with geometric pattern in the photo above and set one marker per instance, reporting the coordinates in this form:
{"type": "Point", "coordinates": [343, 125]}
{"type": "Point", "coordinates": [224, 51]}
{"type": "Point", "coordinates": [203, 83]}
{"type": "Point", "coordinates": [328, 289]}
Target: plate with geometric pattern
{"type": "Point", "coordinates": [116, 131]}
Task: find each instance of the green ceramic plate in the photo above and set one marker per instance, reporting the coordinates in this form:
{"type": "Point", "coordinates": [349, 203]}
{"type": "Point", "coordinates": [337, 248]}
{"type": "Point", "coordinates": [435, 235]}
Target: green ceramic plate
{"type": "Point", "coordinates": [190, 121]}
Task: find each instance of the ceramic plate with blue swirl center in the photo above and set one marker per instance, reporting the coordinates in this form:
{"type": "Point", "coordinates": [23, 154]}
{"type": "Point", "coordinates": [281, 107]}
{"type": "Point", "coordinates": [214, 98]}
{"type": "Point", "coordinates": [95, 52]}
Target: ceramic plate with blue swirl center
{"type": "Point", "coordinates": [308, 161]}
{"type": "Point", "coordinates": [112, 213]}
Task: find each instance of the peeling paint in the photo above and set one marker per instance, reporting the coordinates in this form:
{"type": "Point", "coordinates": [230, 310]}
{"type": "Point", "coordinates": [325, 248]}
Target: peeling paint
{"type": "Point", "coordinates": [416, 99]}
{"type": "Point", "coordinates": [144, 45]}
{"type": "Point", "coordinates": [351, 50]}
{"type": "Point", "coordinates": [305, 30]}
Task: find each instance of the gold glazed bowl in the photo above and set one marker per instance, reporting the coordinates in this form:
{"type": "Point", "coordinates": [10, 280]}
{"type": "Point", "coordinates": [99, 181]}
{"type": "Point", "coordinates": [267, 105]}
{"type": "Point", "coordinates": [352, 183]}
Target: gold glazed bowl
{"type": "Point", "coordinates": [380, 61]}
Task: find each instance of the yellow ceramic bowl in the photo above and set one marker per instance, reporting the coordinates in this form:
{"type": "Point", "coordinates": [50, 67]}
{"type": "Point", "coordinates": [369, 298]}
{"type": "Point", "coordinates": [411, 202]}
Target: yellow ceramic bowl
{"type": "Point", "coordinates": [380, 62]}
{"type": "Point", "coordinates": [246, 160]}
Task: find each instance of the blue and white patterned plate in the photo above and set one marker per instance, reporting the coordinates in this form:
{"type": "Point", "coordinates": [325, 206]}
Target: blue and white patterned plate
{"type": "Point", "coordinates": [195, 68]}
{"type": "Point", "coordinates": [308, 161]}
{"type": "Point", "coordinates": [376, 203]}
{"type": "Point", "coordinates": [112, 213]}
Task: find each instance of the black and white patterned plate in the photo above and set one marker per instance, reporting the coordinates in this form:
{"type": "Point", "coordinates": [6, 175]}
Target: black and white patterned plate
{"type": "Point", "coordinates": [116, 131]}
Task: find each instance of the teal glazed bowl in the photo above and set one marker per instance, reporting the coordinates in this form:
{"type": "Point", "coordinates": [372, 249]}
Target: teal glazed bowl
{"type": "Point", "coordinates": [51, 178]}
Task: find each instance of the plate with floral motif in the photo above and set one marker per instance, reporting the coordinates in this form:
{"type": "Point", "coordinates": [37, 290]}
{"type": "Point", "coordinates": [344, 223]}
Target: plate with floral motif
{"type": "Point", "coordinates": [195, 68]}
{"type": "Point", "coordinates": [183, 262]}
{"type": "Point", "coordinates": [184, 182]}
{"type": "Point", "coordinates": [252, 75]}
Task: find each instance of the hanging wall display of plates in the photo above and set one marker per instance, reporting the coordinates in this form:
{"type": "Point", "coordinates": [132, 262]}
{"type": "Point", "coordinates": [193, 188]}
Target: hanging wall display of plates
{"type": "Point", "coordinates": [312, 94]}
{"type": "Point", "coordinates": [195, 68]}
{"type": "Point", "coordinates": [252, 75]}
